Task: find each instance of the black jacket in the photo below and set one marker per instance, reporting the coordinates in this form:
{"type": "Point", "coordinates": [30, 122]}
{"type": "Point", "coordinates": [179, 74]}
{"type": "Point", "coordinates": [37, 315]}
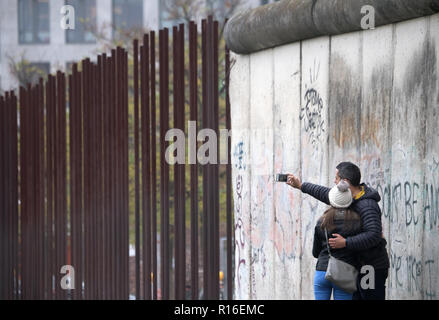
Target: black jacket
{"type": "Point", "coordinates": [320, 249]}
{"type": "Point", "coordinates": [369, 244]}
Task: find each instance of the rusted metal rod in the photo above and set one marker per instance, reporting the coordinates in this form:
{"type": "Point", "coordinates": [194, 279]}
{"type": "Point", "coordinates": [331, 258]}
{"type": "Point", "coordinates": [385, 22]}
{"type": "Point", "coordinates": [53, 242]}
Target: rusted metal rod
{"type": "Point", "coordinates": [153, 165]}
{"type": "Point", "coordinates": [193, 101]}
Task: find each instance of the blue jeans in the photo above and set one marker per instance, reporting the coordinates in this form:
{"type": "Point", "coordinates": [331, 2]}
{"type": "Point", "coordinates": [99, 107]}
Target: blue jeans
{"type": "Point", "coordinates": [323, 289]}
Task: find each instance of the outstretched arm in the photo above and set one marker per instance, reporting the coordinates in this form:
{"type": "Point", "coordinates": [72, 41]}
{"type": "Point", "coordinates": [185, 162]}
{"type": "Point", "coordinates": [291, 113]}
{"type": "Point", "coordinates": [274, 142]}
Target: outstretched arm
{"type": "Point", "coordinates": [319, 192]}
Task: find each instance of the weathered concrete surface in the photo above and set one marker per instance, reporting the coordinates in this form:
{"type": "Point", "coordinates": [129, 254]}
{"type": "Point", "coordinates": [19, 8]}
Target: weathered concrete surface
{"type": "Point", "coordinates": [294, 20]}
{"type": "Point", "coordinates": [313, 119]}
{"type": "Point", "coordinates": [240, 95]}
{"type": "Point", "coordinates": [371, 97]}
{"type": "Point", "coordinates": [261, 186]}
{"type": "Point", "coordinates": [286, 226]}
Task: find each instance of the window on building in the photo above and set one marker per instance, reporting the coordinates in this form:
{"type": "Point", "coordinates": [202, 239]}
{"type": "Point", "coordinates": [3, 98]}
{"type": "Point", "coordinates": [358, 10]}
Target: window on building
{"type": "Point", "coordinates": [85, 22]}
{"type": "Point", "coordinates": [127, 15]}
{"type": "Point", "coordinates": [69, 67]}
{"type": "Point", "coordinates": [42, 66]}
{"type": "Point", "coordinates": [33, 21]}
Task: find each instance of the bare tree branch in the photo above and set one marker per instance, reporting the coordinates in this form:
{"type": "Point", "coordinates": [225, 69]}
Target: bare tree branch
{"type": "Point", "coordinates": [23, 71]}
{"type": "Point", "coordinates": [122, 36]}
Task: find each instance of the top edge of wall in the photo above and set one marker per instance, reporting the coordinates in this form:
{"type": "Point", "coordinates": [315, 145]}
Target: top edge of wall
{"type": "Point", "coordinates": [290, 21]}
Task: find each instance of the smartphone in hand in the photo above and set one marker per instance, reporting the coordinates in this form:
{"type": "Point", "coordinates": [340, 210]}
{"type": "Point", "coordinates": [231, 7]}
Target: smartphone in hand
{"type": "Point", "coordinates": [281, 178]}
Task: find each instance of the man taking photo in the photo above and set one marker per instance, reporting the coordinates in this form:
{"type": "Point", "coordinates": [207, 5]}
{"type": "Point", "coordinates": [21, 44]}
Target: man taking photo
{"type": "Point", "coordinates": [370, 243]}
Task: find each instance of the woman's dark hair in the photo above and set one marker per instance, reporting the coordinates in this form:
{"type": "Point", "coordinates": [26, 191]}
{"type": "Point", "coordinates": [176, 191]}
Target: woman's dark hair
{"type": "Point", "coordinates": [351, 219]}
{"type": "Point", "coordinates": [349, 171]}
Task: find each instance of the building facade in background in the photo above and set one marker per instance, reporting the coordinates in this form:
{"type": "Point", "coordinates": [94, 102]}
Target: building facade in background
{"type": "Point", "coordinates": [31, 30]}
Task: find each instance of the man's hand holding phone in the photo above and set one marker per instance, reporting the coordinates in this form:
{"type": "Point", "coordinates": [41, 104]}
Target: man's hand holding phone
{"type": "Point", "coordinates": [293, 181]}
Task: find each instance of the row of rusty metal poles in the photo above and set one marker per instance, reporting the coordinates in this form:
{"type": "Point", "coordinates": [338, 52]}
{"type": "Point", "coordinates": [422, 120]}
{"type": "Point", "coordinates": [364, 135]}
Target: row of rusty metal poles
{"type": "Point", "coordinates": [95, 227]}
{"type": "Point", "coordinates": [99, 177]}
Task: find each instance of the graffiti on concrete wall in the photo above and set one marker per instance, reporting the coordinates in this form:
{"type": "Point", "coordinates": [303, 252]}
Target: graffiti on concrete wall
{"type": "Point", "coordinates": [372, 169]}
{"type": "Point", "coordinates": [412, 274]}
{"type": "Point", "coordinates": [239, 233]}
{"type": "Point", "coordinates": [261, 203]}
{"type": "Point", "coordinates": [285, 232]}
{"type": "Point", "coordinates": [413, 202]}
{"type": "Point", "coordinates": [240, 163]}
{"type": "Point", "coordinates": [240, 227]}
{"type": "Point", "coordinates": [414, 211]}
{"type": "Point", "coordinates": [410, 205]}
{"type": "Point", "coordinates": [311, 115]}
{"type": "Point", "coordinates": [313, 143]}
{"type": "Point", "coordinates": [259, 259]}
{"type": "Point", "coordinates": [311, 112]}
{"type": "Point", "coordinates": [367, 125]}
